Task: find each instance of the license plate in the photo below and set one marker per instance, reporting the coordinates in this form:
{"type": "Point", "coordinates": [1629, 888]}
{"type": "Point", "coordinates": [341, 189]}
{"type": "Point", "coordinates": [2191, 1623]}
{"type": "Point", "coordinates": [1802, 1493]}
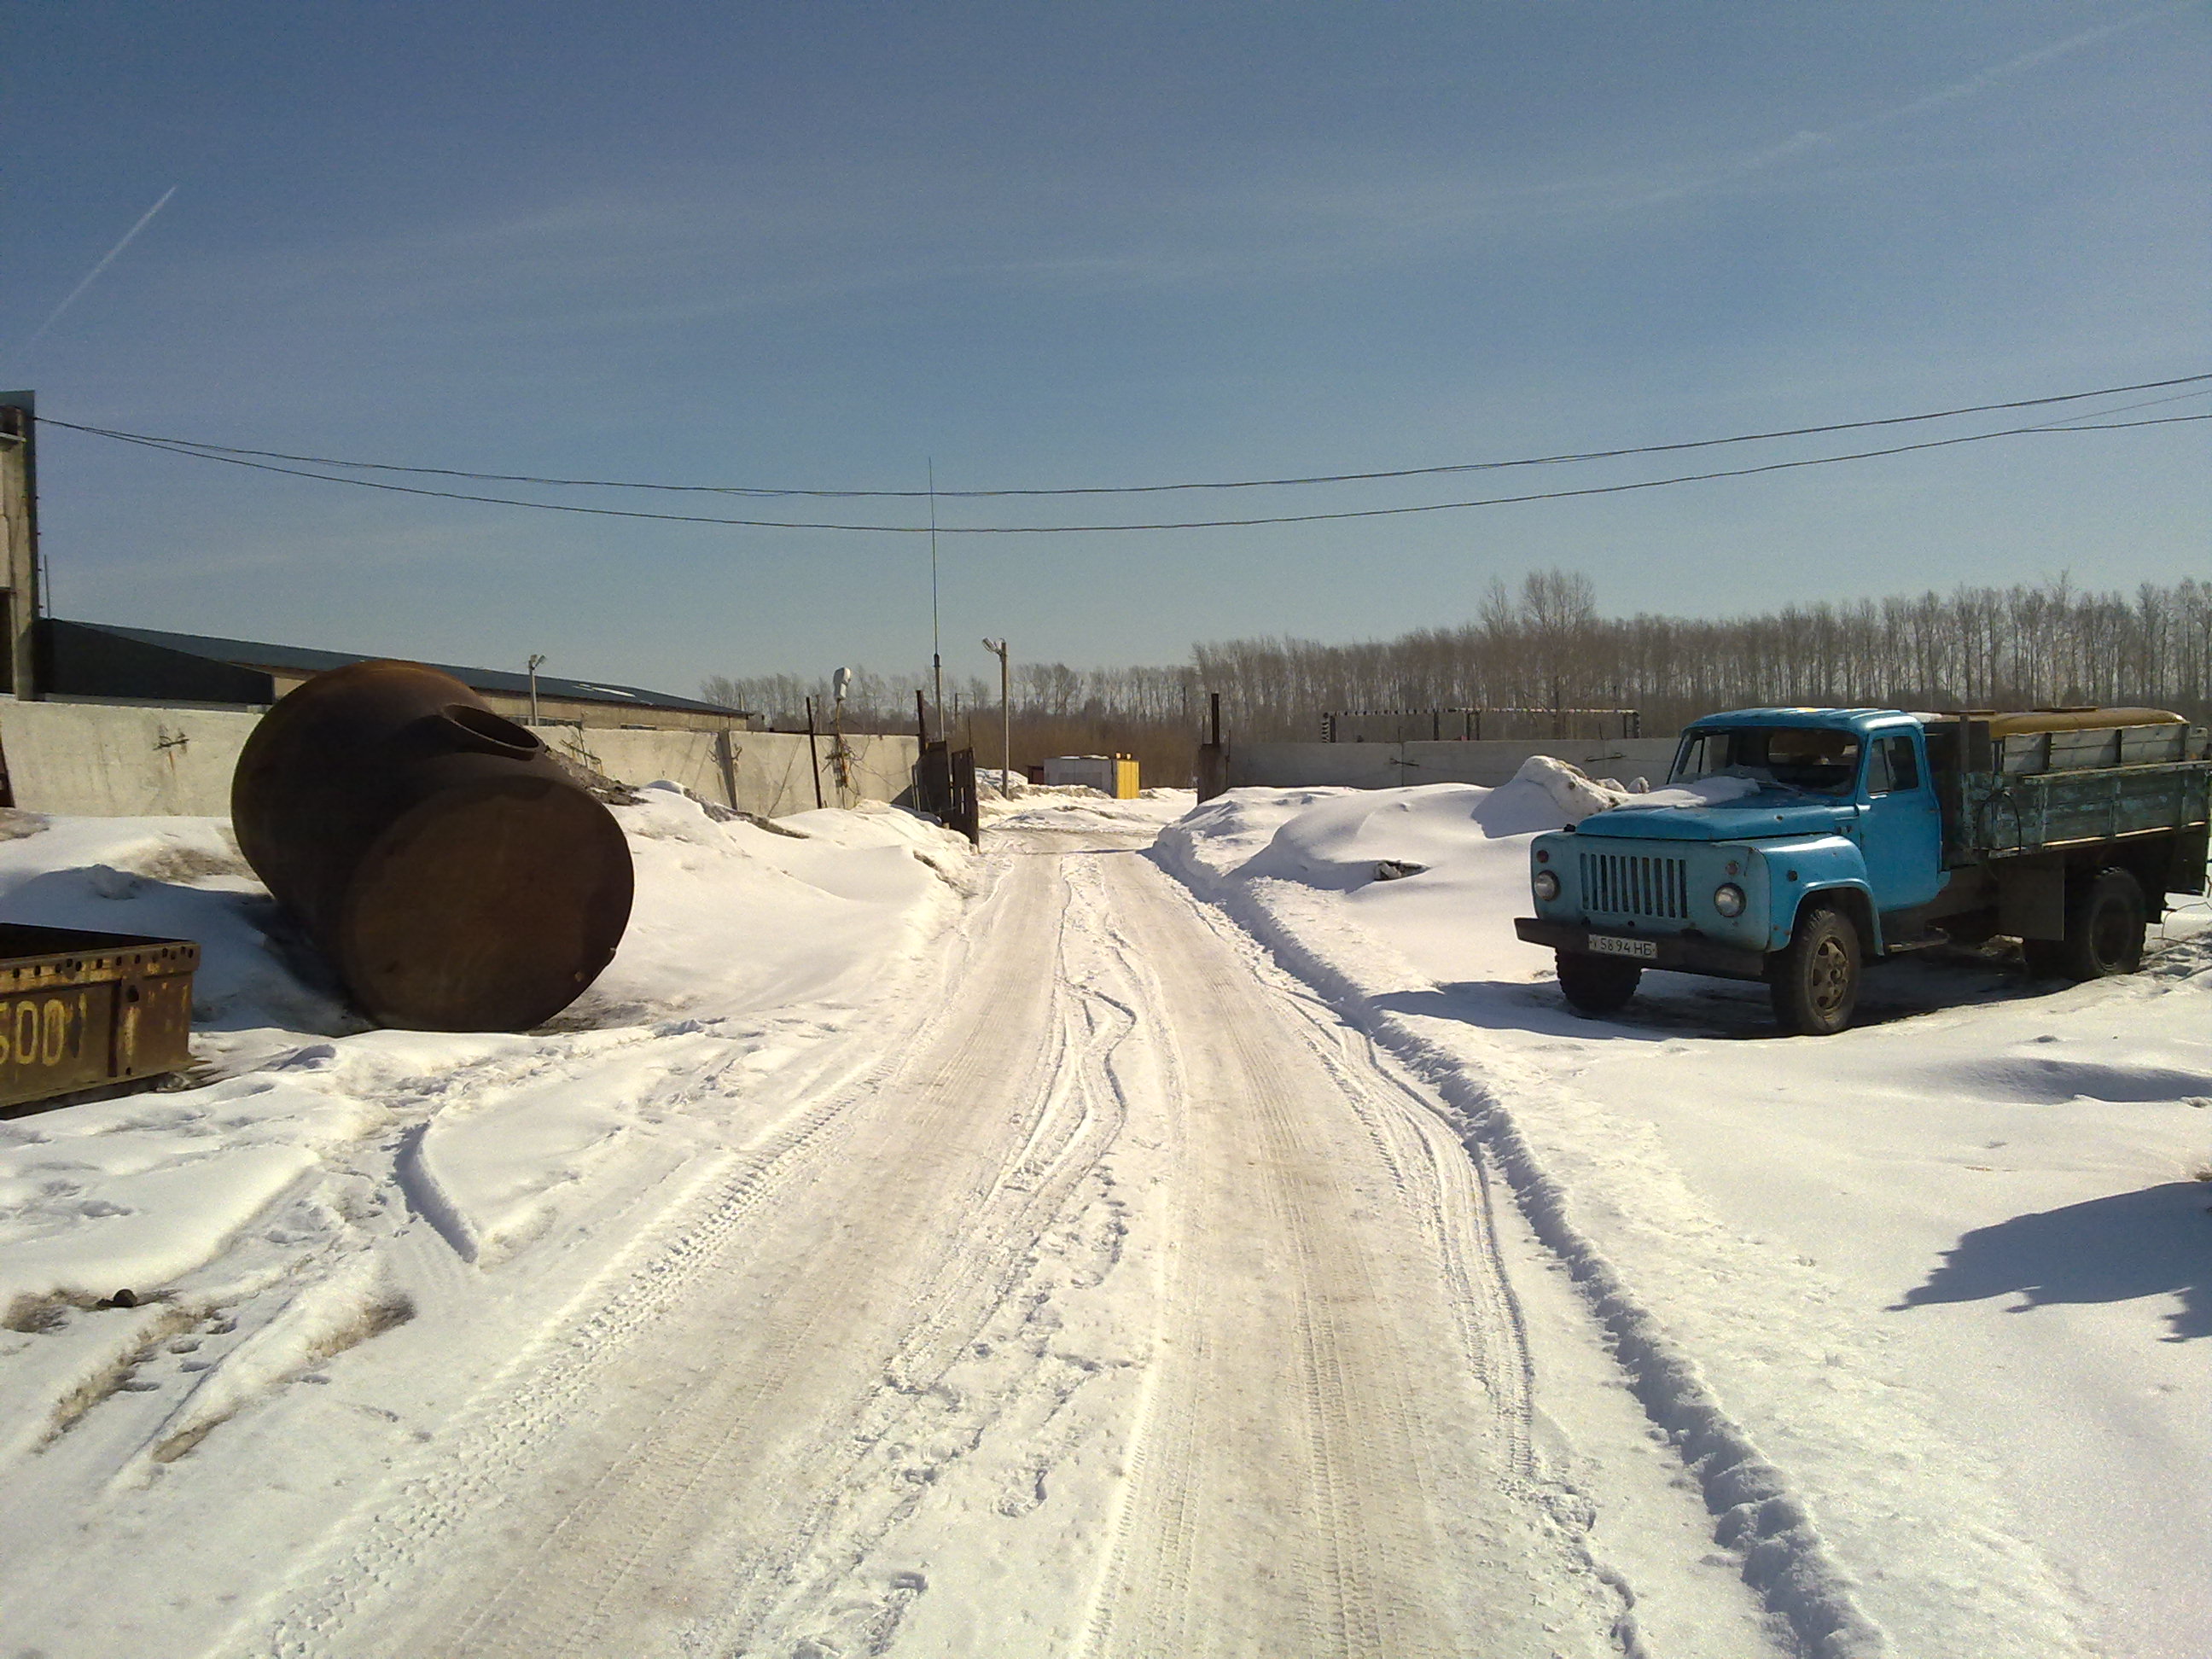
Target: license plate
{"type": "Point", "coordinates": [1602, 945]}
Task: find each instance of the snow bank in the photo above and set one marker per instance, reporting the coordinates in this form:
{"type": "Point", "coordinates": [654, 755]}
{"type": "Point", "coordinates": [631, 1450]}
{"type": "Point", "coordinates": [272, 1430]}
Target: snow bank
{"type": "Point", "coordinates": [1471, 845]}
{"type": "Point", "coordinates": [731, 916]}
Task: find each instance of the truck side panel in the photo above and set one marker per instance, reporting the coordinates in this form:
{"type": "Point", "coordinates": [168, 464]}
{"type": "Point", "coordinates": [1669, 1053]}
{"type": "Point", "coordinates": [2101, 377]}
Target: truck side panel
{"type": "Point", "coordinates": [2009, 814]}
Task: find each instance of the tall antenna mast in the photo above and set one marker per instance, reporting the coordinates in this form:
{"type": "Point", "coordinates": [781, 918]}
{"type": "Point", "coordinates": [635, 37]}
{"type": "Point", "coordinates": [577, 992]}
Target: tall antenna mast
{"type": "Point", "coordinates": [936, 655]}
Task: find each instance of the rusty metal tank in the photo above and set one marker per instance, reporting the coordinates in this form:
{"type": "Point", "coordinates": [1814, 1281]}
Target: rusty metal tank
{"type": "Point", "coordinates": [455, 875]}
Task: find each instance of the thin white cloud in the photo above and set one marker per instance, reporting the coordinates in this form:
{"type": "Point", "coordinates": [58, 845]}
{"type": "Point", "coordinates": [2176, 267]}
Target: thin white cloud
{"type": "Point", "coordinates": [1800, 145]}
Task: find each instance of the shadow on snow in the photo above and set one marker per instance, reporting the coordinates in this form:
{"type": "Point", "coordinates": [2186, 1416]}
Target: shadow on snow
{"type": "Point", "coordinates": [2156, 1242]}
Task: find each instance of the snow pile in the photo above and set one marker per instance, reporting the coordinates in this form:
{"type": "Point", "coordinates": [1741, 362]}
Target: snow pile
{"type": "Point", "coordinates": [1332, 837]}
{"type": "Point", "coordinates": [1923, 1305]}
{"type": "Point", "coordinates": [172, 879]}
{"type": "Point", "coordinates": [1471, 843]}
{"type": "Point", "coordinates": [1543, 783]}
{"type": "Point", "coordinates": [731, 915]}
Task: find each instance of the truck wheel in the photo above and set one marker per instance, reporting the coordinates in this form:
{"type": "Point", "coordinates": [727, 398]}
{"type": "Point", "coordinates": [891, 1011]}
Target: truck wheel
{"type": "Point", "coordinates": [2104, 928]}
{"type": "Point", "coordinates": [1597, 984]}
{"type": "Point", "coordinates": [1814, 979]}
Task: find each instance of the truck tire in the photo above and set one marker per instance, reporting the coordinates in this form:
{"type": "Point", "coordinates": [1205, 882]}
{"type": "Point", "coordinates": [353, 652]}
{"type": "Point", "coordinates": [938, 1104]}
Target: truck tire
{"type": "Point", "coordinates": [1597, 984]}
{"type": "Point", "coordinates": [2104, 928]}
{"type": "Point", "coordinates": [1813, 980]}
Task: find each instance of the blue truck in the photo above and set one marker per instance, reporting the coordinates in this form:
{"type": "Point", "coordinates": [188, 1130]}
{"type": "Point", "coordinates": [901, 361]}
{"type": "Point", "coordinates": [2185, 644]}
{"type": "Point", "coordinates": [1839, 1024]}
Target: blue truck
{"type": "Point", "coordinates": [1794, 845]}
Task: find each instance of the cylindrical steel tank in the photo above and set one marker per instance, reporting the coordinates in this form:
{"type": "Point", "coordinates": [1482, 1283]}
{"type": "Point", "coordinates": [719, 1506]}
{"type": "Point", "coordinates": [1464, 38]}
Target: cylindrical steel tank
{"type": "Point", "coordinates": [457, 877]}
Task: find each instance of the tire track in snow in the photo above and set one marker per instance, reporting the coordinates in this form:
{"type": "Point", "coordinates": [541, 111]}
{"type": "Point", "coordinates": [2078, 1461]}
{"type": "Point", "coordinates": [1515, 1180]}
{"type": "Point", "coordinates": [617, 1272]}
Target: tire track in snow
{"type": "Point", "coordinates": [1310, 1472]}
{"type": "Point", "coordinates": [1785, 1558]}
{"type": "Point", "coordinates": [718, 1395]}
{"type": "Point", "coordinates": [399, 1532]}
{"type": "Point", "coordinates": [814, 1593]}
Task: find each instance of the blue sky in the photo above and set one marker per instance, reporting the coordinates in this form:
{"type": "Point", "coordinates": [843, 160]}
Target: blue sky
{"type": "Point", "coordinates": [1054, 245]}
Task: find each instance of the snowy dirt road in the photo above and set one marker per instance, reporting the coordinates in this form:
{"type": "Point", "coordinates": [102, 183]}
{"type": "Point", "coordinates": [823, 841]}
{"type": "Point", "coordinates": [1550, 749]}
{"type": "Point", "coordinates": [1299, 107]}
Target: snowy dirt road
{"type": "Point", "coordinates": [1129, 1306]}
{"type": "Point", "coordinates": [1158, 1235]}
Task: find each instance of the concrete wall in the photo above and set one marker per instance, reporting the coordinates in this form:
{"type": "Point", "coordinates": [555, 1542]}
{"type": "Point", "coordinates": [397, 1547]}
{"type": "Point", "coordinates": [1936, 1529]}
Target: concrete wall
{"type": "Point", "coordinates": [690, 758]}
{"type": "Point", "coordinates": [1393, 765]}
{"type": "Point", "coordinates": [769, 773]}
{"type": "Point", "coordinates": [773, 766]}
{"type": "Point", "coordinates": [107, 760]}
{"type": "Point", "coordinates": [102, 760]}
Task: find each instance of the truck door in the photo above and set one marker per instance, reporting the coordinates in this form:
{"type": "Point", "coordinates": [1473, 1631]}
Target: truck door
{"type": "Point", "coordinates": [1900, 824]}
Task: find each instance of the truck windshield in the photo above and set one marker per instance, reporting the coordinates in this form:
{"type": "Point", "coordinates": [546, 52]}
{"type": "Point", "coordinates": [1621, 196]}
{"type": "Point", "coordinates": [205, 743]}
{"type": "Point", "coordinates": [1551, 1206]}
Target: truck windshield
{"type": "Point", "coordinates": [1816, 759]}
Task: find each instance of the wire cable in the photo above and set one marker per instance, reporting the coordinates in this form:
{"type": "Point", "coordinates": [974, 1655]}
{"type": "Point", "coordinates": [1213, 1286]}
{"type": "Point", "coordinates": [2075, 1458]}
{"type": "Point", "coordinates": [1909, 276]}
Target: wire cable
{"type": "Point", "coordinates": [215, 450]}
{"type": "Point", "coordinates": [171, 448]}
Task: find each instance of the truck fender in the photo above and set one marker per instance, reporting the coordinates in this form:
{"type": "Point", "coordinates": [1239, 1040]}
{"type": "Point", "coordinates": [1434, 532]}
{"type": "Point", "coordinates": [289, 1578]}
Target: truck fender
{"type": "Point", "coordinates": [1831, 867]}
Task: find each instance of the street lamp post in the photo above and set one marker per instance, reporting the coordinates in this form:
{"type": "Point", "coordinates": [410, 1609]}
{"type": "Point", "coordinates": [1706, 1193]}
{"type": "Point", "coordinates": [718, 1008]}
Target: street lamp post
{"type": "Point", "coordinates": [536, 657]}
{"type": "Point", "coordinates": [998, 647]}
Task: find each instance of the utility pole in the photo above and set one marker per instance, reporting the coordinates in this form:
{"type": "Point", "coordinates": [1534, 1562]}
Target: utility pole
{"type": "Point", "coordinates": [19, 544]}
{"type": "Point", "coordinates": [936, 651]}
{"type": "Point", "coordinates": [536, 657]}
{"type": "Point", "coordinates": [814, 757]}
{"type": "Point", "coordinates": [997, 648]}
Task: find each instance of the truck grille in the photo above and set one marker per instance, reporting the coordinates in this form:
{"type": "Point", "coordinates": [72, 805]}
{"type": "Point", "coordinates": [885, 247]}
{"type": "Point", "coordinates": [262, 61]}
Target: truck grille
{"type": "Point", "coordinates": [1631, 884]}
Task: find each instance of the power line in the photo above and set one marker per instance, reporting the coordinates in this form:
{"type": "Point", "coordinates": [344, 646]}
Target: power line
{"type": "Point", "coordinates": [217, 451]}
{"type": "Point", "coordinates": [173, 447]}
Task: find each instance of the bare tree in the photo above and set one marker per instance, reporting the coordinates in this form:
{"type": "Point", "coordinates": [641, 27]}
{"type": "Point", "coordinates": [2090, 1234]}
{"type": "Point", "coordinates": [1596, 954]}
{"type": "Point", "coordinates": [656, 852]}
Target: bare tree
{"type": "Point", "coordinates": [1548, 647]}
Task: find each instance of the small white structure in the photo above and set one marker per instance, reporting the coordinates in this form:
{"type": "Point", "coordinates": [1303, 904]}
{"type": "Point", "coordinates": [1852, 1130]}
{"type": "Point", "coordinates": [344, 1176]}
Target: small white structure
{"type": "Point", "coordinates": [1109, 774]}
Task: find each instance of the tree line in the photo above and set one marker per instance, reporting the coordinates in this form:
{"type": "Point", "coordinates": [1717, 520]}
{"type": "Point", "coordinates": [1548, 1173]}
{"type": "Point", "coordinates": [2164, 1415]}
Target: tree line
{"type": "Point", "coordinates": [1543, 649]}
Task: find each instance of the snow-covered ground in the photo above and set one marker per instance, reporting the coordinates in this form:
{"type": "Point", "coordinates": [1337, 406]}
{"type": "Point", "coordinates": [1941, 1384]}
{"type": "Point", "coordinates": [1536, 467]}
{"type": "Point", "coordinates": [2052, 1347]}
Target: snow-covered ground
{"type": "Point", "coordinates": [731, 921]}
{"type": "Point", "coordinates": [1929, 1303]}
{"type": "Point", "coordinates": [264, 1217]}
{"type": "Point", "coordinates": [904, 1251]}
{"type": "Point", "coordinates": [1036, 810]}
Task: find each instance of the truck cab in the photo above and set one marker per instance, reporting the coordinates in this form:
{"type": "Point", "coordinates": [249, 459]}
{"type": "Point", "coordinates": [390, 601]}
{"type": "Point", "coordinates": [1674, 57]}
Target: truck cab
{"type": "Point", "coordinates": [1793, 845]}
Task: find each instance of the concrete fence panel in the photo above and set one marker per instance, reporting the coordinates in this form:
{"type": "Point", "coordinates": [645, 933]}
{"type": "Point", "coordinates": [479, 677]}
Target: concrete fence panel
{"type": "Point", "coordinates": [1396, 765]}
{"type": "Point", "coordinates": [770, 773]}
{"type": "Point", "coordinates": [639, 757]}
{"type": "Point", "coordinates": [114, 760]}
{"type": "Point", "coordinates": [108, 760]}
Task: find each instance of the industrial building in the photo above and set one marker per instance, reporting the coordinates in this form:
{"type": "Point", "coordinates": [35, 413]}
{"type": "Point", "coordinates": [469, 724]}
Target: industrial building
{"type": "Point", "coordinates": [99, 662]}
{"type": "Point", "coordinates": [46, 659]}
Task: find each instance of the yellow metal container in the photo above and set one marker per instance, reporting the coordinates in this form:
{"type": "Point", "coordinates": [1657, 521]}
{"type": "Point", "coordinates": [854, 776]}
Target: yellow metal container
{"type": "Point", "coordinates": [79, 1009]}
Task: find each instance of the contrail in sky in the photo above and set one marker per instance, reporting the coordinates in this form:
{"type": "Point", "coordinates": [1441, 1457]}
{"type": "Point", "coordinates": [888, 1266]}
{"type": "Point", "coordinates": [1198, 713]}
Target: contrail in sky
{"type": "Point", "coordinates": [92, 276]}
{"type": "Point", "coordinates": [1790, 148]}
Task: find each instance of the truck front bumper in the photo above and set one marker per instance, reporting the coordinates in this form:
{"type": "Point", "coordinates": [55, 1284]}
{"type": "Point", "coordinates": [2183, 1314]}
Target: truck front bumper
{"type": "Point", "coordinates": [1686, 953]}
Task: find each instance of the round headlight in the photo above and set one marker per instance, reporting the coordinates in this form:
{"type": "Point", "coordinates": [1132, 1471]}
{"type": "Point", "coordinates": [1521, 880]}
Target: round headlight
{"type": "Point", "coordinates": [1728, 899]}
{"type": "Point", "coordinates": [1546, 885]}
